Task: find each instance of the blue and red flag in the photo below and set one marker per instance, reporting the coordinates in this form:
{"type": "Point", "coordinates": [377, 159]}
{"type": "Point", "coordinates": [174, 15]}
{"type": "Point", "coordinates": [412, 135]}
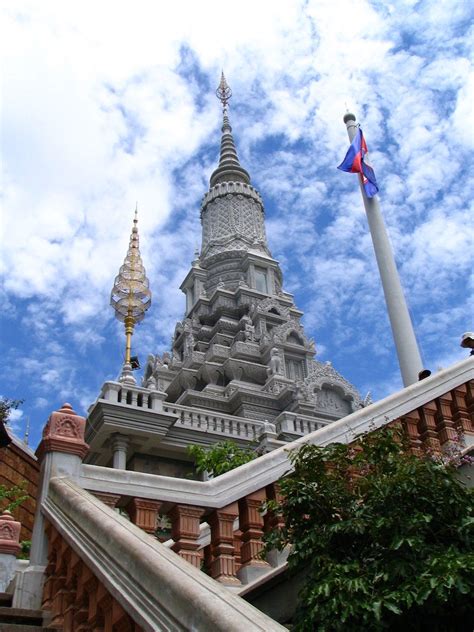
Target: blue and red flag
{"type": "Point", "coordinates": [354, 163]}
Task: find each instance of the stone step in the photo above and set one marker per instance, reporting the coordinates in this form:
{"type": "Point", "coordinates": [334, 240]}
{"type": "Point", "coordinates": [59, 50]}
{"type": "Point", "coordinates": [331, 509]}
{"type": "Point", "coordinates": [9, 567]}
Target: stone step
{"type": "Point", "coordinates": [20, 616]}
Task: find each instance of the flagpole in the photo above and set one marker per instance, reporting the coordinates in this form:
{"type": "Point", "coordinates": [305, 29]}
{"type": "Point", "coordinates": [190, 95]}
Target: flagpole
{"type": "Point", "coordinates": [406, 345]}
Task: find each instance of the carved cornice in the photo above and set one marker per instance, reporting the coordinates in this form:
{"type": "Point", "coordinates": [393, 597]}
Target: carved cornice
{"type": "Point", "coordinates": [235, 188]}
{"type": "Point", "coordinates": [320, 375]}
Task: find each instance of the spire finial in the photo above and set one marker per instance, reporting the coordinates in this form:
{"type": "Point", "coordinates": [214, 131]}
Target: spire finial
{"type": "Point", "coordinates": [131, 296]}
{"type": "Point", "coordinates": [223, 91]}
{"type": "Point", "coordinates": [229, 169]}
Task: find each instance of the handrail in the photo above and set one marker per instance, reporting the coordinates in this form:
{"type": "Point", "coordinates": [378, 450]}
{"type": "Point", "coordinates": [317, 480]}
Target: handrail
{"type": "Point", "coordinates": [158, 589]}
{"type": "Point", "coordinates": [267, 469]}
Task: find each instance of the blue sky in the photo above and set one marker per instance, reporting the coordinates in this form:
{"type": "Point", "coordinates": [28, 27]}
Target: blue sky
{"type": "Point", "coordinates": [106, 104]}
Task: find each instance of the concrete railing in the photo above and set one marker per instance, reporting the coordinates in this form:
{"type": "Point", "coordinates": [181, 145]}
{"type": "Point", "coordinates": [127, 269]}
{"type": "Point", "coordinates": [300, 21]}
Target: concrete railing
{"type": "Point", "coordinates": [267, 469]}
{"type": "Point", "coordinates": [104, 571]}
{"type": "Point", "coordinates": [433, 412]}
{"type": "Point", "coordinates": [218, 423]}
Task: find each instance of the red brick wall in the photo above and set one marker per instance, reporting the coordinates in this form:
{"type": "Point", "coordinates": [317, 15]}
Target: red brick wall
{"type": "Point", "coordinates": [16, 467]}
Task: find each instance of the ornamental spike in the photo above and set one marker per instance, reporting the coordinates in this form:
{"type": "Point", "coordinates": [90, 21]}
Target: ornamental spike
{"type": "Point", "coordinates": [229, 168]}
{"type": "Point", "coordinates": [131, 296]}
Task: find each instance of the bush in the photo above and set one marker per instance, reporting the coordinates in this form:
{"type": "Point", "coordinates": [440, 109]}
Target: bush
{"type": "Point", "coordinates": [385, 537]}
{"type": "Point", "coordinates": [220, 458]}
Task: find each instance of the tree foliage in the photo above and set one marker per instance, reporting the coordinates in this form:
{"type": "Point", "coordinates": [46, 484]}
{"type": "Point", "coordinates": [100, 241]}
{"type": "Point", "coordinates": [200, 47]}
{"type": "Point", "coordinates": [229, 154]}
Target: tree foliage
{"type": "Point", "coordinates": [221, 457]}
{"type": "Point", "coordinates": [6, 406]}
{"type": "Point", "coordinates": [384, 535]}
{"type": "Point", "coordinates": [10, 497]}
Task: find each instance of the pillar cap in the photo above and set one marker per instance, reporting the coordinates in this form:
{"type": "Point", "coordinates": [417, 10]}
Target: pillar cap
{"type": "Point", "coordinates": [64, 432]}
{"type": "Point", "coordinates": [9, 534]}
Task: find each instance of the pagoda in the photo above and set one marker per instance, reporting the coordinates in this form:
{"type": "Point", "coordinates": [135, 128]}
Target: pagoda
{"type": "Point", "coordinates": [240, 365]}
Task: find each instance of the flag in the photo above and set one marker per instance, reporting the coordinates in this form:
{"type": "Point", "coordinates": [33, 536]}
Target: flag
{"type": "Point", "coordinates": [354, 163]}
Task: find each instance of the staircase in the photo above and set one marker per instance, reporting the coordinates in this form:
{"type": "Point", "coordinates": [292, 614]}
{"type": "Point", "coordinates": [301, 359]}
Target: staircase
{"type": "Point", "coordinates": [18, 619]}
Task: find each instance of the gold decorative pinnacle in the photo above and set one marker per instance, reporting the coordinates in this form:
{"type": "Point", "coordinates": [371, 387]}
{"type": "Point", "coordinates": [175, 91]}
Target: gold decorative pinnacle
{"type": "Point", "coordinates": [223, 91]}
{"type": "Point", "coordinates": [131, 296]}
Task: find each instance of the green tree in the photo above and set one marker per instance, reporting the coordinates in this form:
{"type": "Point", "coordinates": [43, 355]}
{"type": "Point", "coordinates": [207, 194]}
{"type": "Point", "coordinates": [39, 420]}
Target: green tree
{"type": "Point", "coordinates": [384, 536]}
{"type": "Point", "coordinates": [10, 497]}
{"type": "Point", "coordinates": [221, 457]}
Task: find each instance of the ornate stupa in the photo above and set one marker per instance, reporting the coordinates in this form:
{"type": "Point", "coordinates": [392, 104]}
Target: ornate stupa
{"type": "Point", "coordinates": [241, 365]}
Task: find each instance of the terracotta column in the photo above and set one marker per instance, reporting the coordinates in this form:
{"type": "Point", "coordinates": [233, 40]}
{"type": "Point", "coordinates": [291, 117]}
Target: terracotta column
{"type": "Point", "coordinates": [223, 566]}
{"type": "Point", "coordinates": [108, 499]}
{"type": "Point", "coordinates": [429, 436]}
{"type": "Point", "coordinates": [185, 521]}
{"type": "Point", "coordinates": [144, 513]}
{"type": "Point", "coordinates": [444, 420]}
{"type": "Point", "coordinates": [461, 417]}
{"type": "Point", "coordinates": [251, 525]}
{"type": "Point", "coordinates": [411, 424]}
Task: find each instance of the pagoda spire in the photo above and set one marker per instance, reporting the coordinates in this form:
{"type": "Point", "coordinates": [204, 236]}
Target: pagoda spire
{"type": "Point", "coordinates": [131, 296]}
{"type": "Point", "coordinates": [229, 168]}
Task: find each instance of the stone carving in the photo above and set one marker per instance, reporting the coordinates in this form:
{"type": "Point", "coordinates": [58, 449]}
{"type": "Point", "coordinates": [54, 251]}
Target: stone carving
{"type": "Point", "coordinates": [280, 333]}
{"type": "Point", "coordinates": [249, 329]}
{"type": "Point", "coordinates": [275, 367]}
{"type": "Point", "coordinates": [67, 427]}
{"type": "Point", "coordinates": [154, 364]}
{"type": "Point", "coordinates": [188, 345]}
{"type": "Point", "coordinates": [320, 374]}
{"type": "Point", "coordinates": [330, 401]}
{"type": "Point", "coordinates": [6, 532]}
{"type": "Point", "coordinates": [268, 427]}
{"type": "Point", "coordinates": [270, 303]}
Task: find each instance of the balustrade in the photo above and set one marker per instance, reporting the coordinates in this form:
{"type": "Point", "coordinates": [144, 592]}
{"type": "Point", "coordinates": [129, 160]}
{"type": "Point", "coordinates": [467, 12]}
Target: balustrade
{"type": "Point", "coordinates": [77, 593]}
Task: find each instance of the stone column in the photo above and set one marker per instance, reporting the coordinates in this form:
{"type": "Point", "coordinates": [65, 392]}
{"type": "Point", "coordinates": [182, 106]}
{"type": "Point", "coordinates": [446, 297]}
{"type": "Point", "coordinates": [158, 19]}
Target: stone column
{"type": "Point", "coordinates": [9, 548]}
{"type": "Point", "coordinates": [60, 453]}
{"type": "Point", "coordinates": [119, 445]}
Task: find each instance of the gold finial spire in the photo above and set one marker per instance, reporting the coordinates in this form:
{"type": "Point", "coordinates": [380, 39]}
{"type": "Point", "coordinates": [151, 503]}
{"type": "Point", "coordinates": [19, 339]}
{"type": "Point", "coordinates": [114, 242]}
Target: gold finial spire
{"type": "Point", "coordinates": [223, 91]}
{"type": "Point", "coordinates": [131, 296]}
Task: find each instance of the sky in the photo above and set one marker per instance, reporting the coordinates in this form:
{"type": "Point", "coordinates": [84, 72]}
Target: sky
{"type": "Point", "coordinates": [105, 104]}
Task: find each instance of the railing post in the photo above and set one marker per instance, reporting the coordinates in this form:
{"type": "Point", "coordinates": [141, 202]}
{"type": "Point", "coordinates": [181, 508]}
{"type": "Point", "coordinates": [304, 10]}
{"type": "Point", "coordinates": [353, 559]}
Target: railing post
{"type": "Point", "coordinates": [410, 423]}
{"type": "Point", "coordinates": [251, 525]}
{"type": "Point", "coordinates": [9, 548]}
{"type": "Point", "coordinates": [461, 416]}
{"type": "Point", "coordinates": [108, 499]}
{"type": "Point", "coordinates": [274, 520]}
{"type": "Point", "coordinates": [221, 522]}
{"type": "Point", "coordinates": [429, 436]}
{"type": "Point", "coordinates": [60, 453]}
{"type": "Point", "coordinates": [185, 521]}
{"type": "Point", "coordinates": [144, 513]}
{"type": "Point", "coordinates": [444, 420]}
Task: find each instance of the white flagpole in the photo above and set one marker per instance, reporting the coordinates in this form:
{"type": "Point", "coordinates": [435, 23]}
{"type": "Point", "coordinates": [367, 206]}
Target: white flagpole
{"type": "Point", "coordinates": [404, 336]}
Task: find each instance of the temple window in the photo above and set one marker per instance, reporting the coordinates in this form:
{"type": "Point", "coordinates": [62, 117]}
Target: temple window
{"type": "Point", "coordinates": [261, 283]}
{"type": "Point", "coordinates": [295, 369]}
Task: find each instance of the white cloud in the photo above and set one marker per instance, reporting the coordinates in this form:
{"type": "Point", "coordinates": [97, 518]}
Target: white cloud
{"type": "Point", "coordinates": [101, 113]}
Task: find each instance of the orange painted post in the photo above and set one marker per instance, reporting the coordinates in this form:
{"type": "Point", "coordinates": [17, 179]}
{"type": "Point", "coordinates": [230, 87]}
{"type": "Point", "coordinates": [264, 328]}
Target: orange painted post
{"type": "Point", "coordinates": [223, 567]}
{"type": "Point", "coordinates": [144, 513]}
{"type": "Point", "coordinates": [185, 521]}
